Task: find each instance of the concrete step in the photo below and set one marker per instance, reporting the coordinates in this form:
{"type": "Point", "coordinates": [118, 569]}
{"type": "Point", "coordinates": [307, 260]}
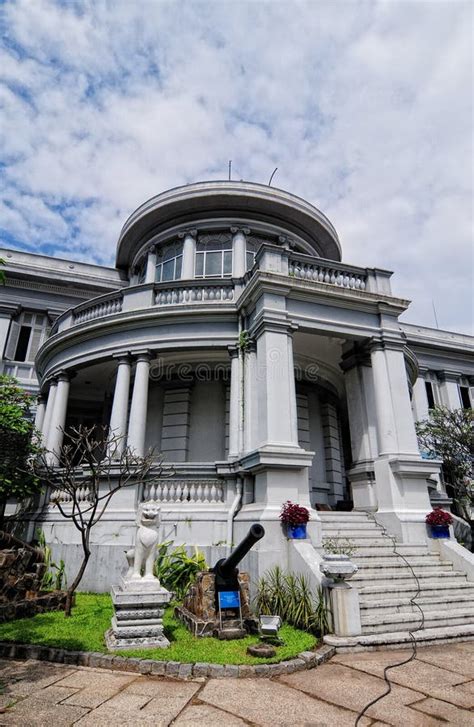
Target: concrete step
{"type": "Point", "coordinates": [452, 588]}
{"type": "Point", "coordinates": [381, 623]}
{"type": "Point", "coordinates": [381, 561]}
{"type": "Point", "coordinates": [349, 527]}
{"type": "Point", "coordinates": [400, 639]}
{"type": "Point", "coordinates": [383, 551]}
{"type": "Point", "coordinates": [344, 517]}
{"type": "Point", "coordinates": [403, 605]}
{"type": "Point", "coordinates": [395, 569]}
{"type": "Point", "coordinates": [389, 576]}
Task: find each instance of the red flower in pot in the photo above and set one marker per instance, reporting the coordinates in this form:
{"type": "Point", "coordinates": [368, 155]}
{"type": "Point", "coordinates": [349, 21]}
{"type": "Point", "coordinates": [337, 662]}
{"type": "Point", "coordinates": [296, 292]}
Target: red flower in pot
{"type": "Point", "coordinates": [295, 517]}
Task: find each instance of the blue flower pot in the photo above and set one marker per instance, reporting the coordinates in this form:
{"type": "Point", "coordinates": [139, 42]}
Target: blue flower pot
{"type": "Point", "coordinates": [439, 531]}
{"type": "Point", "coordinates": [297, 532]}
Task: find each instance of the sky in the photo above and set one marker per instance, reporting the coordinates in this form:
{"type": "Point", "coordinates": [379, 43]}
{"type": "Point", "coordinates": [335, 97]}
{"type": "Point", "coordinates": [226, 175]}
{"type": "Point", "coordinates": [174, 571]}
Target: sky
{"type": "Point", "coordinates": [366, 108]}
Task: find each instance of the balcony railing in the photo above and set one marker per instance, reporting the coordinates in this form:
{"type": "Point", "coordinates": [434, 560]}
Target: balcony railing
{"type": "Point", "coordinates": [325, 271]}
{"type": "Point", "coordinates": [187, 492]}
{"type": "Point", "coordinates": [103, 306]}
{"type": "Point", "coordinates": [186, 292]}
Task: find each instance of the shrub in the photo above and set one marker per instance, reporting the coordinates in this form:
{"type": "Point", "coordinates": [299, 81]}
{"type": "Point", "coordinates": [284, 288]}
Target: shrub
{"type": "Point", "coordinates": [176, 569]}
{"type": "Point", "coordinates": [439, 517]}
{"type": "Point", "coordinates": [289, 596]}
{"type": "Point", "coordinates": [294, 514]}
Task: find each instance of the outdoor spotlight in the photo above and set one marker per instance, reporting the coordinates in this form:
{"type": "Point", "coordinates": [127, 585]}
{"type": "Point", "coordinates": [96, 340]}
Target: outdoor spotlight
{"type": "Point", "coordinates": [269, 626]}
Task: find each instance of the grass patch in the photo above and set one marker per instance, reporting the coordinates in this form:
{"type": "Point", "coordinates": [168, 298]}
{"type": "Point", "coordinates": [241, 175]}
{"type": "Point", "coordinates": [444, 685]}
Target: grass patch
{"type": "Point", "coordinates": [84, 631]}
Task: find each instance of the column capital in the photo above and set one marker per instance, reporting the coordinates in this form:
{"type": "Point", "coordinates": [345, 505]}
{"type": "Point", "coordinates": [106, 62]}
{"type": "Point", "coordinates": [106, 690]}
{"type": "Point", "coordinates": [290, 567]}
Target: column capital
{"type": "Point", "coordinates": [143, 355]}
{"type": "Point", "coordinates": [274, 324]}
{"type": "Point", "coordinates": [122, 357]}
{"type": "Point", "coordinates": [233, 351]}
{"type": "Point", "coordinates": [187, 232]}
{"type": "Point", "coordinates": [357, 355]}
{"type": "Point", "coordinates": [386, 342]}
{"type": "Point", "coordinates": [286, 241]}
{"type": "Point", "coordinates": [243, 230]}
{"type": "Point", "coordinates": [449, 375]}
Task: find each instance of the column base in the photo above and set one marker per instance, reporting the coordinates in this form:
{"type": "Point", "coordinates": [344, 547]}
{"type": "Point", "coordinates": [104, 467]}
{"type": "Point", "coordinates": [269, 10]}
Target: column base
{"type": "Point", "coordinates": [402, 493]}
{"type": "Point", "coordinates": [364, 491]}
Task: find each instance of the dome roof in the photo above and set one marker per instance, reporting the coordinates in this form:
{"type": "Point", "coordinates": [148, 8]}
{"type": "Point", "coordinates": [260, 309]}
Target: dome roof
{"type": "Point", "coordinates": [234, 202]}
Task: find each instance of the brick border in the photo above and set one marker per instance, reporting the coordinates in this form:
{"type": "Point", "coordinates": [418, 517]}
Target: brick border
{"type": "Point", "coordinates": [175, 669]}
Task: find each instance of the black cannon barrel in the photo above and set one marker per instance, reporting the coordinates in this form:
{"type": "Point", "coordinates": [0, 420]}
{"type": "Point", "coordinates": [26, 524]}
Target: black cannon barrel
{"type": "Point", "coordinates": [227, 566]}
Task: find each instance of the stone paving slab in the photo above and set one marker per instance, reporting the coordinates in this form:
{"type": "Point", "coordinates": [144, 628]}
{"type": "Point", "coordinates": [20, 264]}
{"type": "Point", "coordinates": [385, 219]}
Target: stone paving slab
{"type": "Point", "coordinates": [452, 714]}
{"type": "Point", "coordinates": [427, 678]}
{"type": "Point", "coordinates": [352, 689]}
{"type": "Point", "coordinates": [200, 715]}
{"type": "Point", "coordinates": [437, 689]}
{"type": "Point", "coordinates": [269, 703]}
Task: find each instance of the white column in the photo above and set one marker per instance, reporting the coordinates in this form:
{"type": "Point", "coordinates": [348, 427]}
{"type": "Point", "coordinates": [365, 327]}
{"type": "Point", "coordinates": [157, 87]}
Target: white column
{"type": "Point", "coordinates": [251, 384]}
{"type": "Point", "coordinates": [239, 253]}
{"type": "Point", "coordinates": [400, 472]}
{"type": "Point", "coordinates": [40, 412]}
{"type": "Point", "coordinates": [420, 400]}
{"type": "Point", "coordinates": [58, 419]}
{"type": "Point", "coordinates": [189, 254]}
{"type": "Point", "coordinates": [235, 404]}
{"type": "Point", "coordinates": [150, 266]}
{"type": "Point", "coordinates": [139, 406]}
{"type": "Point", "coordinates": [276, 393]}
{"type": "Point", "coordinates": [5, 318]}
{"type": "Point", "coordinates": [119, 414]}
{"type": "Point", "coordinates": [449, 389]}
{"type": "Point", "coordinates": [49, 411]}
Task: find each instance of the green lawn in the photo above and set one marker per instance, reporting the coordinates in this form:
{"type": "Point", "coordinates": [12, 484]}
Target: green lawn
{"type": "Point", "coordinates": [84, 631]}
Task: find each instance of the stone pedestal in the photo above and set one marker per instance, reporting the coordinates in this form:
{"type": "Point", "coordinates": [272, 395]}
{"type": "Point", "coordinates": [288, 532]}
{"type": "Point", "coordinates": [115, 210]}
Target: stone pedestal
{"type": "Point", "coordinates": [345, 610]}
{"type": "Point", "coordinates": [138, 619]}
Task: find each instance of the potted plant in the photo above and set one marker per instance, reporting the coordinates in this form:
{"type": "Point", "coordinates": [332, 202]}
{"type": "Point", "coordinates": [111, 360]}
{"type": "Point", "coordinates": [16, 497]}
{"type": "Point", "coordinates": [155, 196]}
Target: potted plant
{"type": "Point", "coordinates": [337, 563]}
{"type": "Point", "coordinates": [439, 521]}
{"type": "Point", "coordinates": [295, 517]}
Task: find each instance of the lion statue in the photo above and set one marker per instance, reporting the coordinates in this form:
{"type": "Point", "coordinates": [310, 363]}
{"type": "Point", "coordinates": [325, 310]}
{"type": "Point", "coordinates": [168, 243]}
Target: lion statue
{"type": "Point", "coordinates": [141, 558]}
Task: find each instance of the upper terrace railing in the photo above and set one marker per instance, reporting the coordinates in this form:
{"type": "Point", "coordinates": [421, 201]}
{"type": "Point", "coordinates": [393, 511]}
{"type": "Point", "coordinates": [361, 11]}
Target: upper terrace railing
{"type": "Point", "coordinates": [188, 292]}
{"type": "Point", "coordinates": [326, 271]}
{"type": "Point", "coordinates": [269, 259]}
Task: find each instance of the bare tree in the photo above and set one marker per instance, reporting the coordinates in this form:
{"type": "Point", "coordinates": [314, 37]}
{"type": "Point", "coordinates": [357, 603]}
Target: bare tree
{"type": "Point", "coordinates": [93, 466]}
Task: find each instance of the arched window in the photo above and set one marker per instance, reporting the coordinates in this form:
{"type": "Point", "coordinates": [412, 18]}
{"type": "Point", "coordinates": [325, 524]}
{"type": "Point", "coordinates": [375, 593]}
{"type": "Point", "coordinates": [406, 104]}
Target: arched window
{"type": "Point", "coordinates": [169, 260]}
{"type": "Point", "coordinates": [214, 256]}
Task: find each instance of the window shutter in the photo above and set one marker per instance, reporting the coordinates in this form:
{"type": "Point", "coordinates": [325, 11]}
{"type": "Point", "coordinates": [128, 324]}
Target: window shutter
{"type": "Point", "coordinates": [12, 340]}
{"type": "Point", "coordinates": [37, 337]}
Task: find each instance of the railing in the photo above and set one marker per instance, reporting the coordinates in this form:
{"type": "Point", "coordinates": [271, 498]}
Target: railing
{"type": "Point", "coordinates": [83, 494]}
{"type": "Point", "coordinates": [196, 291]}
{"type": "Point", "coordinates": [332, 273]}
{"type": "Point", "coordinates": [185, 491]}
{"type": "Point", "coordinates": [21, 371]}
{"type": "Point", "coordinates": [104, 306]}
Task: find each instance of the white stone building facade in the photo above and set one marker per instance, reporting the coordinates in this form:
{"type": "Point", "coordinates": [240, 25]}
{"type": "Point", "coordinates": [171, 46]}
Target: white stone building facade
{"type": "Point", "coordinates": [231, 338]}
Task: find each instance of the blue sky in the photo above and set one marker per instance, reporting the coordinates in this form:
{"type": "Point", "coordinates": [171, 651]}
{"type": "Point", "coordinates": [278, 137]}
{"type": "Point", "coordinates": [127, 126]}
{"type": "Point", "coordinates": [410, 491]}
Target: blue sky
{"type": "Point", "coordinates": [364, 107]}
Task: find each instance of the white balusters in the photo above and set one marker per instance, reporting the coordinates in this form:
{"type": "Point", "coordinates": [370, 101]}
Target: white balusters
{"type": "Point", "coordinates": [173, 491]}
{"type": "Point", "coordinates": [199, 292]}
{"type": "Point", "coordinates": [321, 273]}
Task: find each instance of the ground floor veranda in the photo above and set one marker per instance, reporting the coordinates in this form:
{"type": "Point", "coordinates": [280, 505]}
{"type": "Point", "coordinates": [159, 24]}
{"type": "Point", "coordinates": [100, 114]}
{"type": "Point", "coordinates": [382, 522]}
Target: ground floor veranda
{"type": "Point", "coordinates": [312, 418]}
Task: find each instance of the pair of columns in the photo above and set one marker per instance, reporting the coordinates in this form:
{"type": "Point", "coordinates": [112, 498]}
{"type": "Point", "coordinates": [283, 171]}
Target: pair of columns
{"type": "Point", "coordinates": [130, 429]}
{"type": "Point", "coordinates": [388, 473]}
{"type": "Point", "coordinates": [51, 416]}
{"type": "Point", "coordinates": [239, 255]}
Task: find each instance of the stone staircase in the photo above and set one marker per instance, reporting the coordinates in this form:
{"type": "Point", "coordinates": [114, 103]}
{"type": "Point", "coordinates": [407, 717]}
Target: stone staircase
{"type": "Point", "coordinates": [386, 585]}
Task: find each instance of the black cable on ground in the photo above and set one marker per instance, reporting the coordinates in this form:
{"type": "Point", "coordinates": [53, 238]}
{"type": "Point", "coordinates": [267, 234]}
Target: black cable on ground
{"type": "Point", "coordinates": [411, 633]}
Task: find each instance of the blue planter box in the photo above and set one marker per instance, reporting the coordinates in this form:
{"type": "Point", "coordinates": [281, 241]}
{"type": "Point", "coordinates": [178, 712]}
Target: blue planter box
{"type": "Point", "coordinates": [439, 531]}
{"type": "Point", "coordinates": [297, 532]}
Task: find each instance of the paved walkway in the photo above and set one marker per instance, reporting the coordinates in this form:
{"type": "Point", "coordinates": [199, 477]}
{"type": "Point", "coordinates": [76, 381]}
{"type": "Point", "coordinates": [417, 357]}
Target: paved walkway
{"type": "Point", "coordinates": [436, 689]}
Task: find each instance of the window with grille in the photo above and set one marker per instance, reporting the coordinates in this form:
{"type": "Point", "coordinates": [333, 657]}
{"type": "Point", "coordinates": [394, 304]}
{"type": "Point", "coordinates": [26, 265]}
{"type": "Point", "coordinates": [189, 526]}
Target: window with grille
{"type": "Point", "coordinates": [214, 256]}
{"type": "Point", "coordinates": [168, 262]}
{"type": "Point", "coordinates": [26, 336]}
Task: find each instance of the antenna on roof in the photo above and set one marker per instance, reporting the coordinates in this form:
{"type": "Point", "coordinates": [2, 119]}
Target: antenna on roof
{"type": "Point", "coordinates": [230, 169]}
{"type": "Point", "coordinates": [434, 312]}
{"type": "Point", "coordinates": [273, 174]}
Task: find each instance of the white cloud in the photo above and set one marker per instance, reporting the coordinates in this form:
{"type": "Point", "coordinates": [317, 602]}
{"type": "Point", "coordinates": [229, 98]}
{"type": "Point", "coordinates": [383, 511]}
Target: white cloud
{"type": "Point", "coordinates": [366, 108]}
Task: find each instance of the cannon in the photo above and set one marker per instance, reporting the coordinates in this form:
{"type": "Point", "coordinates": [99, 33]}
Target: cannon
{"type": "Point", "coordinates": [226, 571]}
{"type": "Point", "coordinates": [218, 603]}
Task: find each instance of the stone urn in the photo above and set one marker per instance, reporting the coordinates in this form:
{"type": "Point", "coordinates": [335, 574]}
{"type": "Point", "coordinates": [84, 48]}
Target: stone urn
{"type": "Point", "coordinates": [338, 567]}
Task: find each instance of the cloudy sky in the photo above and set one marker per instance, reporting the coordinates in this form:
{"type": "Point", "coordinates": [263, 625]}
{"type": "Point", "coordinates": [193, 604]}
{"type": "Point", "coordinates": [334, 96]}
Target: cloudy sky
{"type": "Point", "coordinates": [364, 107]}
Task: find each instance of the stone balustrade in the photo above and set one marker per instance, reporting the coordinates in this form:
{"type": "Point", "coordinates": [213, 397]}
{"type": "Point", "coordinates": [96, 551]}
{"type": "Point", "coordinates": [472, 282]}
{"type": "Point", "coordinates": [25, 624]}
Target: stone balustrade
{"type": "Point", "coordinates": [195, 292]}
{"type": "Point", "coordinates": [83, 495]}
{"type": "Point", "coordinates": [325, 271]}
{"type": "Point", "coordinates": [191, 492]}
{"type": "Point", "coordinates": [104, 306]}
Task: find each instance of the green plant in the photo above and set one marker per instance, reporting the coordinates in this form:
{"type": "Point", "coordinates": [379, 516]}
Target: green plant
{"type": "Point", "coordinates": [244, 340]}
{"type": "Point", "coordinates": [449, 435]}
{"type": "Point", "coordinates": [54, 575]}
{"type": "Point", "coordinates": [176, 569]}
{"type": "Point", "coordinates": [17, 444]}
{"type": "Point", "coordinates": [339, 546]}
{"type": "Point", "coordinates": [322, 612]}
{"type": "Point", "coordinates": [289, 596]}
